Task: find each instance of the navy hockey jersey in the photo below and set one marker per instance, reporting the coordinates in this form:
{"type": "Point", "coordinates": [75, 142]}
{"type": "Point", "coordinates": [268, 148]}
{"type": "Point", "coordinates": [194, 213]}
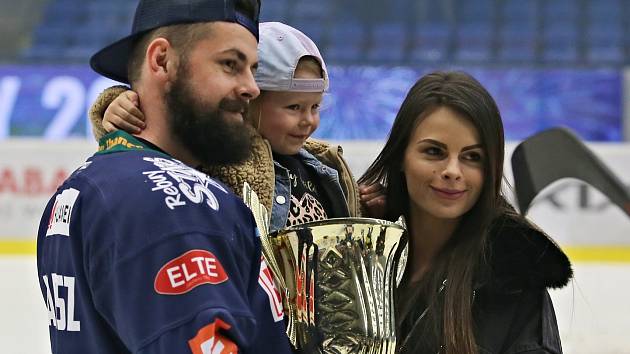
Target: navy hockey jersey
{"type": "Point", "coordinates": [138, 253]}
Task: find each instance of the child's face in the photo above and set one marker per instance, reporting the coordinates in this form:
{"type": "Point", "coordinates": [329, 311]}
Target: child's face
{"type": "Point", "coordinates": [287, 119]}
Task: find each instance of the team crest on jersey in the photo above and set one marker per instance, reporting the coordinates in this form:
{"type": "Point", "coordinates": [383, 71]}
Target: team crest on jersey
{"type": "Point", "coordinates": [181, 184]}
{"type": "Point", "coordinates": [209, 340]}
{"type": "Point", "coordinates": [59, 222]}
{"type": "Point", "coordinates": [265, 279]}
{"type": "Point", "coordinates": [186, 272]}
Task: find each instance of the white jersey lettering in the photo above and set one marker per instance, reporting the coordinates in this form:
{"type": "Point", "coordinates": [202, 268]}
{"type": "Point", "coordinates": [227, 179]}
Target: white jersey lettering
{"type": "Point", "coordinates": [55, 301]}
{"type": "Point", "coordinates": [176, 179]}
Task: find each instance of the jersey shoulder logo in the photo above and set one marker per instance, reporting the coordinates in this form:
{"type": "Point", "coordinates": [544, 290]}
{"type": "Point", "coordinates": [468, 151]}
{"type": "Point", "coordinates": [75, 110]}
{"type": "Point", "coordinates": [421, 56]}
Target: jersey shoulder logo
{"type": "Point", "coordinates": [209, 340]}
{"type": "Point", "coordinates": [181, 184]}
{"type": "Point", "coordinates": [186, 272]}
{"type": "Point", "coordinates": [59, 222]}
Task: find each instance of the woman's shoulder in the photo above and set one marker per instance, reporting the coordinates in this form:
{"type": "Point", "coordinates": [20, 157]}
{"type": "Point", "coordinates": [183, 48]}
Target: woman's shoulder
{"type": "Point", "coordinates": [522, 256]}
{"type": "Point", "coordinates": [517, 323]}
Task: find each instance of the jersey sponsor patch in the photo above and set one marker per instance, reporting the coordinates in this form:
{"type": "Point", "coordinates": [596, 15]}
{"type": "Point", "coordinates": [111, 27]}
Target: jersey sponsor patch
{"type": "Point", "coordinates": [265, 279]}
{"type": "Point", "coordinates": [191, 269]}
{"type": "Point", "coordinates": [210, 341]}
{"type": "Point", "coordinates": [59, 222]}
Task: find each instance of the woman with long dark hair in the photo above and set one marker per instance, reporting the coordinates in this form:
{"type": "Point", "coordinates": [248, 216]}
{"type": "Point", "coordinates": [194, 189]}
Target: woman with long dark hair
{"type": "Point", "coordinates": [477, 273]}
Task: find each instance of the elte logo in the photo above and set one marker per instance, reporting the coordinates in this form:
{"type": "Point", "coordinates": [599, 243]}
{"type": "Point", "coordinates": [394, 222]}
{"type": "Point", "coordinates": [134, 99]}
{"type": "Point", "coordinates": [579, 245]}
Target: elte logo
{"type": "Point", "coordinates": [191, 269]}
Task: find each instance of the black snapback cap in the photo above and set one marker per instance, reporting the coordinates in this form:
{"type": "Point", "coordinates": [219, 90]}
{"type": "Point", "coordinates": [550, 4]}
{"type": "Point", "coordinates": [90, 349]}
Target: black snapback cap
{"type": "Point", "coordinates": [112, 60]}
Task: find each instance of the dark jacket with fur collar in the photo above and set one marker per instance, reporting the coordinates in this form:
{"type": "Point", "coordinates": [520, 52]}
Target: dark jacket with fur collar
{"type": "Point", "coordinates": [512, 310]}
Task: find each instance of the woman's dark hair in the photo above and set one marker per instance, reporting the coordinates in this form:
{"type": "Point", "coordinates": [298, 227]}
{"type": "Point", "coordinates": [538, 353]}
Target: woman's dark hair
{"type": "Point", "coordinates": [465, 252]}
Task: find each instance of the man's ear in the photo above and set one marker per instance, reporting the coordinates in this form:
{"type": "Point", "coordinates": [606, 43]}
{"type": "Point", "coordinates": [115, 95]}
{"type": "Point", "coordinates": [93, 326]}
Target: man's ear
{"type": "Point", "coordinates": [161, 59]}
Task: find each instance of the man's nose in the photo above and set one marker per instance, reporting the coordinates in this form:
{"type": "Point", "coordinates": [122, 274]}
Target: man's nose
{"type": "Point", "coordinates": [248, 89]}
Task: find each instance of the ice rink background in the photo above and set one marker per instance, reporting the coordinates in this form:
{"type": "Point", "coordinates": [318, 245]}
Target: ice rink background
{"type": "Point", "coordinates": [46, 89]}
{"type": "Point", "coordinates": [593, 310]}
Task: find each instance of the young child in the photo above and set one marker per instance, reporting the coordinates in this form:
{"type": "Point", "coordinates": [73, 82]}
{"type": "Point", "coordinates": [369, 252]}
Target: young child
{"type": "Point", "coordinates": [297, 178]}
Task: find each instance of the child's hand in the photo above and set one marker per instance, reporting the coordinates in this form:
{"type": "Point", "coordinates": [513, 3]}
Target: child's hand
{"type": "Point", "coordinates": [373, 200]}
{"type": "Point", "coordinates": [123, 113]}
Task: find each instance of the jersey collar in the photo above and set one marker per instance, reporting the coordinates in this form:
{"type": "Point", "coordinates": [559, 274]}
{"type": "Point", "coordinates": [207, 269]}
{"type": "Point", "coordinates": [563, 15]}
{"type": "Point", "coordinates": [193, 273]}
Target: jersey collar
{"type": "Point", "coordinates": [121, 141]}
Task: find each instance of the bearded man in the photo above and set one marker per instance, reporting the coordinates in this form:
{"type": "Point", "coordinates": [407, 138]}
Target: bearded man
{"type": "Point", "coordinates": [137, 251]}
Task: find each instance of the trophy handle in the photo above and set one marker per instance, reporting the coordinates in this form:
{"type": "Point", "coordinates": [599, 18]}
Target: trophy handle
{"type": "Point", "coordinates": [402, 261]}
{"type": "Point", "coordinates": [261, 216]}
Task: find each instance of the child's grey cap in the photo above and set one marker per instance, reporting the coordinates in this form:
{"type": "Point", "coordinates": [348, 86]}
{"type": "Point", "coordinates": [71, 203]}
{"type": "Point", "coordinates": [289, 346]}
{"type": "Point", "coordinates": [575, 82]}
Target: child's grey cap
{"type": "Point", "coordinates": [280, 48]}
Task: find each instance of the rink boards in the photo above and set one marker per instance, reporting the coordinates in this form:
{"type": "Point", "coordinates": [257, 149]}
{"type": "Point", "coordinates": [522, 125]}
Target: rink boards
{"type": "Point", "coordinates": [576, 215]}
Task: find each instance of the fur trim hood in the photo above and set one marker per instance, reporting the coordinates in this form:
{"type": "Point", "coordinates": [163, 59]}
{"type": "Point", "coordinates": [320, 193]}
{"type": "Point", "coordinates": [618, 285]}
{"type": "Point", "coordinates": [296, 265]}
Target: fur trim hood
{"type": "Point", "coordinates": [522, 256]}
{"type": "Point", "coordinates": [257, 170]}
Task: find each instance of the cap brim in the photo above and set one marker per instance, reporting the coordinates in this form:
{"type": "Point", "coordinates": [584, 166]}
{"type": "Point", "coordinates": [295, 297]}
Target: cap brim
{"type": "Point", "coordinates": [112, 60]}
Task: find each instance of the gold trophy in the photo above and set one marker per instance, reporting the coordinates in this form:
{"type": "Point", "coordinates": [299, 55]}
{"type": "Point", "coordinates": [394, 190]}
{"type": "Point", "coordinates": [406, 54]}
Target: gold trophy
{"type": "Point", "coordinates": [337, 278]}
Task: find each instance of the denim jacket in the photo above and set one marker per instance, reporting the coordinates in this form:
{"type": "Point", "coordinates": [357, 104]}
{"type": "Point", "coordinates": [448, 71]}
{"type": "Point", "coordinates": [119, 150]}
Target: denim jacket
{"type": "Point", "coordinates": [329, 179]}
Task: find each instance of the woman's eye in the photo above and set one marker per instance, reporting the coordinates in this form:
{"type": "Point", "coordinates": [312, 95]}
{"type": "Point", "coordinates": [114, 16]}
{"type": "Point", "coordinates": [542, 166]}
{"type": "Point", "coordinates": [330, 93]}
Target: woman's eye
{"type": "Point", "coordinates": [316, 107]}
{"type": "Point", "coordinates": [474, 156]}
{"type": "Point", "coordinates": [433, 151]}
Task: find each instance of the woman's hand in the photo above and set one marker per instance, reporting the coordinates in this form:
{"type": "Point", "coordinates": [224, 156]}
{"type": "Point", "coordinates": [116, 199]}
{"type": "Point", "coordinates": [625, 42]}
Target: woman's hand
{"type": "Point", "coordinates": [373, 200]}
{"type": "Point", "coordinates": [124, 113]}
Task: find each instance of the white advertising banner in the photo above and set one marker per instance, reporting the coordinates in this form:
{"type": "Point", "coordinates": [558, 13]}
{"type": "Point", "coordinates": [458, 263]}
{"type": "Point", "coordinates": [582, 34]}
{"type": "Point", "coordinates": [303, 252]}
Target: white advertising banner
{"type": "Point", "coordinates": [30, 172]}
{"type": "Point", "coordinates": [570, 211]}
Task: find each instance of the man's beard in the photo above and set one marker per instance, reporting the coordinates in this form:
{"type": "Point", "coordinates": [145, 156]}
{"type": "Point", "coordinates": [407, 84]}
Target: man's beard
{"type": "Point", "coordinates": [209, 136]}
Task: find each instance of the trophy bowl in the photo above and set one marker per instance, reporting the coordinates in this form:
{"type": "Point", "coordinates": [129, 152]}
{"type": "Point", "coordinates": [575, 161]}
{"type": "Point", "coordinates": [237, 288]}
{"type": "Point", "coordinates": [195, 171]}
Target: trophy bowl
{"type": "Point", "coordinates": [338, 277]}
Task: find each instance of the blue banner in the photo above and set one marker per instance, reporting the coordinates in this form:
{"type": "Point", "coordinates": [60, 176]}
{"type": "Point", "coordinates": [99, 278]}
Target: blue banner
{"type": "Point", "coordinates": [52, 101]}
{"type": "Point", "coordinates": [363, 101]}
{"type": "Point", "coordinates": [47, 101]}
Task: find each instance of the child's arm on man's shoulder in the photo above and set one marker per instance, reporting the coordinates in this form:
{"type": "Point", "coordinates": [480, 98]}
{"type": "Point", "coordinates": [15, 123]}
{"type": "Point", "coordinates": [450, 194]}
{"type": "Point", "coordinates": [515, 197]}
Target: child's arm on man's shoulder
{"type": "Point", "coordinates": [116, 108]}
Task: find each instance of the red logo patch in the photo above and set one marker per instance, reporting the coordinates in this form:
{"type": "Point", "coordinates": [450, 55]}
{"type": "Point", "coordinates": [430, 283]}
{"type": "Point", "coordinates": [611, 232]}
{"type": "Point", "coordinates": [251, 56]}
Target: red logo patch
{"type": "Point", "coordinates": [188, 271]}
{"type": "Point", "coordinates": [210, 341]}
